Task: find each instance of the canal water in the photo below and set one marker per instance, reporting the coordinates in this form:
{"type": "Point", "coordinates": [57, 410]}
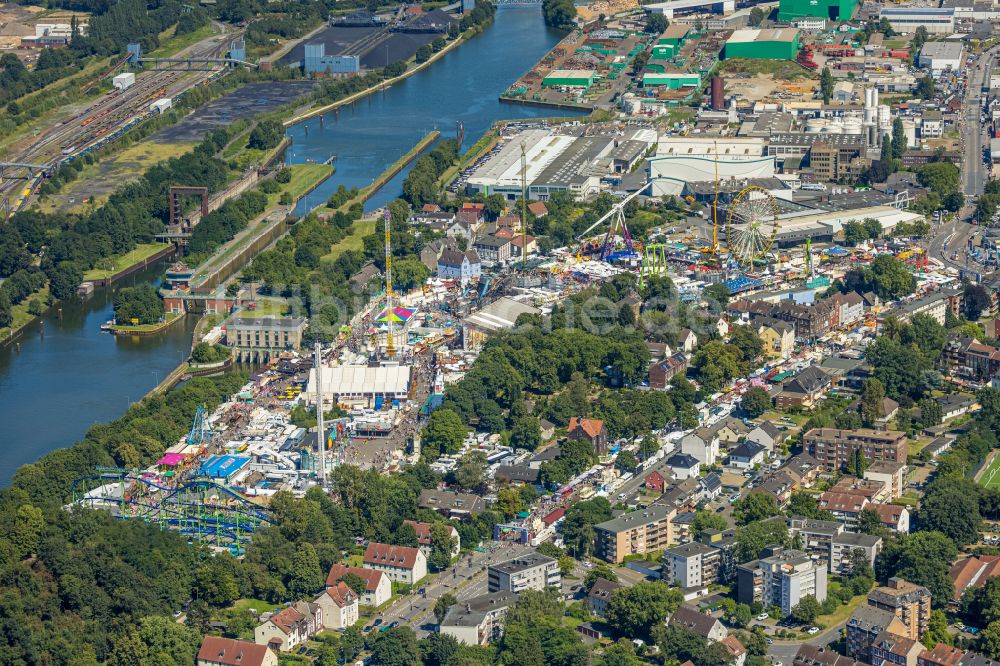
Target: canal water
{"type": "Point", "coordinates": [68, 375]}
{"type": "Point", "coordinates": [462, 86]}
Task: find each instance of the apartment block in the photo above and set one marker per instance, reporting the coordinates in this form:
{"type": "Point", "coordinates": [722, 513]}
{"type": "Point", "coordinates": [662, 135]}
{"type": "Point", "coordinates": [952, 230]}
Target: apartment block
{"type": "Point", "coordinates": [834, 447]}
{"type": "Point", "coordinates": [533, 571]}
{"type": "Point", "coordinates": [634, 533]}
{"type": "Point", "coordinates": [692, 564]}
{"type": "Point", "coordinates": [909, 602]}
{"type": "Point", "coordinates": [781, 578]}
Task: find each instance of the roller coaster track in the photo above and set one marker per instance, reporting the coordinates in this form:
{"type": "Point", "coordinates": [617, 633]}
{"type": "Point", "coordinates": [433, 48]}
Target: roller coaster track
{"type": "Point", "coordinates": [206, 512]}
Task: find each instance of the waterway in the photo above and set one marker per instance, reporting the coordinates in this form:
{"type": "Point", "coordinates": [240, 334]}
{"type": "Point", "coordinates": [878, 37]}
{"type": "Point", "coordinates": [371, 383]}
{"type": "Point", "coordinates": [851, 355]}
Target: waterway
{"type": "Point", "coordinates": [462, 86]}
{"type": "Point", "coordinates": [68, 375]}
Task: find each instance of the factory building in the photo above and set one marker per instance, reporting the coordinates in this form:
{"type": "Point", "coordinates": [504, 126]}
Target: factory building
{"type": "Point", "coordinates": [770, 44]}
{"type": "Point", "coordinates": [671, 79]}
{"type": "Point", "coordinates": [572, 78]}
{"type": "Point", "coordinates": [560, 161]}
{"type": "Point", "coordinates": [315, 61]}
{"type": "Point", "coordinates": [941, 56]}
{"type": "Point", "coordinates": [834, 10]}
{"type": "Point", "coordinates": [670, 42]}
{"type": "Point", "coordinates": [937, 21]}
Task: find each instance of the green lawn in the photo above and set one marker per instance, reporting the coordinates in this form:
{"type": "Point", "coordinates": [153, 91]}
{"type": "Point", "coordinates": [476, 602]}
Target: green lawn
{"type": "Point", "coordinates": [843, 612]}
{"type": "Point", "coordinates": [147, 328]}
{"type": "Point", "coordinates": [266, 307]}
{"type": "Point", "coordinates": [122, 261]}
{"type": "Point", "coordinates": [353, 241]}
{"type": "Point", "coordinates": [305, 177]}
{"type": "Point", "coordinates": [258, 605]}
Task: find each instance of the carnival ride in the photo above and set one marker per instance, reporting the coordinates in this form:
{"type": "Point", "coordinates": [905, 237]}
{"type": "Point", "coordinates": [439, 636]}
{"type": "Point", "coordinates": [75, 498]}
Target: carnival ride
{"type": "Point", "coordinates": [751, 226]}
{"type": "Point", "coordinates": [203, 510]}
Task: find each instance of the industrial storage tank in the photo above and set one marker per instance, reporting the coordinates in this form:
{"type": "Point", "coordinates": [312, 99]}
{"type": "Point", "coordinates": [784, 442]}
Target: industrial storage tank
{"type": "Point", "coordinates": [852, 125]}
{"type": "Point", "coordinates": [814, 125]}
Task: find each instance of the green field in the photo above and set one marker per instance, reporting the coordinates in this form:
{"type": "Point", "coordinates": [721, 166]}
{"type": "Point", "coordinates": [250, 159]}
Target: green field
{"type": "Point", "coordinates": [991, 477]}
{"type": "Point", "coordinates": [122, 261]}
{"type": "Point", "coordinates": [304, 178]}
{"type": "Point", "coordinates": [20, 313]}
{"type": "Point", "coordinates": [353, 241]}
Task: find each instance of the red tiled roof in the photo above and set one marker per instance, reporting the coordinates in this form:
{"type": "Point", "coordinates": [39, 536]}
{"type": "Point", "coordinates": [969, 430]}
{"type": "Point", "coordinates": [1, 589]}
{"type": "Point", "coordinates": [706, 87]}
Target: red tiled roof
{"type": "Point", "coordinates": [888, 513]}
{"type": "Point", "coordinates": [341, 594]}
{"type": "Point", "coordinates": [973, 572]}
{"type": "Point", "coordinates": [845, 502]}
{"type": "Point", "coordinates": [370, 576]}
{"type": "Point", "coordinates": [229, 651]}
{"type": "Point", "coordinates": [399, 556]}
{"type": "Point", "coordinates": [423, 531]}
{"type": "Point", "coordinates": [538, 208]}
{"type": "Point", "coordinates": [943, 654]}
{"type": "Point", "coordinates": [592, 427]}
{"type": "Point", "coordinates": [286, 619]}
{"type": "Point", "coordinates": [733, 645]}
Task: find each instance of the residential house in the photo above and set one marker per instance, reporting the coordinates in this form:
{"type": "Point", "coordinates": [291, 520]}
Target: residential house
{"type": "Point", "coordinates": [662, 372]}
{"type": "Point", "coordinates": [493, 248]}
{"type": "Point", "coordinates": [836, 448]}
{"type": "Point", "coordinates": [289, 627]}
{"type": "Point", "coordinates": [518, 475]}
{"type": "Point", "coordinates": [781, 578]}
{"type": "Point", "coordinates": [402, 564]}
{"type": "Point", "coordinates": [423, 531]}
{"type": "Point", "coordinates": [703, 444]}
{"type": "Point", "coordinates": [813, 655]}
{"type": "Point", "coordinates": [890, 648]}
{"type": "Point", "coordinates": [711, 486]}
{"type": "Point", "coordinates": [954, 405]}
{"type": "Point", "coordinates": [591, 430]}
{"type": "Point", "coordinates": [687, 340]}
{"type": "Point", "coordinates": [889, 472]}
{"type": "Point", "coordinates": [730, 430]}
{"type": "Point", "coordinates": [480, 620]}
{"type": "Point", "coordinates": [778, 337]}
{"type": "Point", "coordinates": [683, 466]}
{"type": "Point", "coordinates": [865, 625]}
{"type": "Point", "coordinates": [767, 435]}
{"type": "Point", "coordinates": [909, 602]}
{"type": "Point", "coordinates": [804, 389]}
{"type": "Point", "coordinates": [431, 253]}
{"type": "Point", "coordinates": [532, 571]}
{"type": "Point", "coordinates": [634, 533]}
{"type": "Point", "coordinates": [737, 652]}
{"type": "Point", "coordinates": [942, 655]}
{"type": "Point", "coordinates": [845, 506]}
{"type": "Point", "coordinates": [886, 411]}
{"type": "Point", "coordinates": [451, 504]}
{"type": "Point", "coordinates": [692, 565]}
{"type": "Point", "coordinates": [548, 454]}
{"type": "Point", "coordinates": [461, 266]}
{"type": "Point", "coordinates": [851, 306]}
{"type": "Point", "coordinates": [538, 209]}
{"type": "Point", "coordinates": [746, 456]}
{"type": "Point", "coordinates": [461, 227]}
{"type": "Point", "coordinates": [360, 280]}
{"type": "Point", "coordinates": [699, 623]}
{"type": "Point", "coordinates": [599, 595]}
{"type": "Point", "coordinates": [972, 573]}
{"type": "Point", "coordinates": [816, 536]}
{"type": "Point", "coordinates": [523, 239]}
{"type": "Point", "coordinates": [378, 588]}
{"type": "Point", "coordinates": [340, 606]}
{"type": "Point", "coordinates": [893, 516]}
{"type": "Point", "coordinates": [218, 651]}
{"type": "Point", "coordinates": [654, 482]}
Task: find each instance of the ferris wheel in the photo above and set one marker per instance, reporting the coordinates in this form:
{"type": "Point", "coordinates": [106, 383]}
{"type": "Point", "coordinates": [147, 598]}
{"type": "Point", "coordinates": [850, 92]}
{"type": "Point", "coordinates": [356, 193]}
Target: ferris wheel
{"type": "Point", "coordinates": [752, 225]}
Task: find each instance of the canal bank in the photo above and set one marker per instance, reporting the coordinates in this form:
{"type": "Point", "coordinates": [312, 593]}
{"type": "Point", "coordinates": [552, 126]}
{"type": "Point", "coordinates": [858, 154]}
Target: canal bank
{"type": "Point", "coordinates": [462, 87]}
{"type": "Point", "coordinates": [53, 388]}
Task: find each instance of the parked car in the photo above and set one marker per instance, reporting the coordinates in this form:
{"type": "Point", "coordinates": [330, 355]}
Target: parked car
{"type": "Point", "coordinates": [762, 617]}
{"type": "Point", "coordinates": [812, 631]}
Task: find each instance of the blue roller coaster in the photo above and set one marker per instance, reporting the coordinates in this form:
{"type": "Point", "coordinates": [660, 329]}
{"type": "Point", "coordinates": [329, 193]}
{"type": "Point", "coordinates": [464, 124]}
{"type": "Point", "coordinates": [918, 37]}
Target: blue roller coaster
{"type": "Point", "coordinates": [204, 511]}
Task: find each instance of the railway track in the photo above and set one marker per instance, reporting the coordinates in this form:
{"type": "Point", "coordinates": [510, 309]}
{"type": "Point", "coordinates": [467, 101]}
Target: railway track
{"type": "Point", "coordinates": [106, 119]}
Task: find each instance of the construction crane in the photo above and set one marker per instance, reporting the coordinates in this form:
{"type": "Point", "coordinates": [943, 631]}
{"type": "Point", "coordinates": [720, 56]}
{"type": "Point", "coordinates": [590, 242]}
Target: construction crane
{"type": "Point", "coordinates": [320, 430]}
{"type": "Point", "coordinates": [390, 348]}
{"type": "Point", "coordinates": [524, 205]}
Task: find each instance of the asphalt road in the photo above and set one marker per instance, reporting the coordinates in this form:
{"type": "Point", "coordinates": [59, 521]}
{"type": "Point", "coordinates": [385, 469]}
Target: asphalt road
{"type": "Point", "coordinates": [784, 652]}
